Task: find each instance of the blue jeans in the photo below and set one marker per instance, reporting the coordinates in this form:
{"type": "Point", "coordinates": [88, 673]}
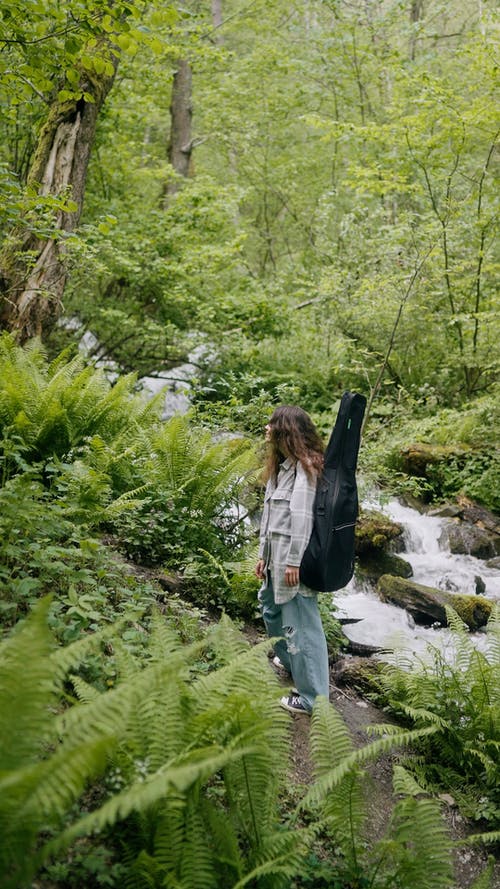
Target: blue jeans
{"type": "Point", "coordinates": [303, 651]}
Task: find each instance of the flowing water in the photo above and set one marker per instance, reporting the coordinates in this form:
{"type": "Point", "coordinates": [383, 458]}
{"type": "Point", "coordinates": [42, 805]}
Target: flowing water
{"type": "Point", "coordinates": [433, 564]}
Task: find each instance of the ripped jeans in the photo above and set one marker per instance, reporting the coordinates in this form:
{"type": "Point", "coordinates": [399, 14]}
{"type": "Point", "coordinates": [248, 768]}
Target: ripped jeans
{"type": "Point", "coordinates": [303, 651]}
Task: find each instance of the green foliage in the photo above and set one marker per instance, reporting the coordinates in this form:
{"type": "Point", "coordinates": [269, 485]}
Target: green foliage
{"type": "Point", "coordinates": [415, 835]}
{"type": "Point", "coordinates": [189, 494]}
{"type": "Point", "coordinates": [470, 467]}
{"type": "Point", "coordinates": [48, 410]}
{"type": "Point", "coordinates": [80, 456]}
{"type": "Point", "coordinates": [458, 698]}
{"type": "Point", "coordinates": [191, 769]}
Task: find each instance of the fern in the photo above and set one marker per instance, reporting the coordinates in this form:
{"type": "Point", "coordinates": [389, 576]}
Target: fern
{"type": "Point", "coordinates": [422, 847]}
{"type": "Point", "coordinates": [416, 834]}
{"type": "Point", "coordinates": [485, 879]}
{"type": "Point", "coordinates": [461, 699]}
{"type": "Point", "coordinates": [201, 763]}
{"type": "Point", "coordinates": [344, 810]}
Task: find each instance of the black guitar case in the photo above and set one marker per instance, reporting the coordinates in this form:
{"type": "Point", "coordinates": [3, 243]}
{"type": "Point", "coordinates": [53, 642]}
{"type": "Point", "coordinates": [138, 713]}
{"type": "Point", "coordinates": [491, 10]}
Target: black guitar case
{"type": "Point", "coordinates": [328, 561]}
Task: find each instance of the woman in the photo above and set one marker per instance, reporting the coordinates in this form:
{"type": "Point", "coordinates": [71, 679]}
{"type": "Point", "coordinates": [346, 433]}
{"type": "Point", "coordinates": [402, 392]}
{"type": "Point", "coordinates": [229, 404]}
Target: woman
{"type": "Point", "coordinates": [288, 607]}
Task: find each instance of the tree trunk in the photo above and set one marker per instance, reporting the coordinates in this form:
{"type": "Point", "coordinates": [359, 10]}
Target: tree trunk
{"type": "Point", "coordinates": [181, 143]}
{"type": "Point", "coordinates": [416, 13]}
{"type": "Point", "coordinates": [217, 16]}
{"type": "Point", "coordinates": [32, 269]}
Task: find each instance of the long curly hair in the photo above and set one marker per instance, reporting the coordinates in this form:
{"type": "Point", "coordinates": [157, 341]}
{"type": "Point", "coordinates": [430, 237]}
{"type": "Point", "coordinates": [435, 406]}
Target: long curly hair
{"type": "Point", "coordinates": [293, 434]}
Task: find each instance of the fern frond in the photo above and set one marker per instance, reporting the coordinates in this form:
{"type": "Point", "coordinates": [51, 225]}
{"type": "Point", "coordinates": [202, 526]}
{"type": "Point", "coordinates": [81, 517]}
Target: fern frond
{"type": "Point", "coordinates": [423, 846]}
{"type": "Point", "coordinates": [331, 779]}
{"type": "Point", "coordinates": [282, 858]}
{"type": "Point", "coordinates": [27, 688]}
{"type": "Point", "coordinates": [85, 692]}
{"type": "Point", "coordinates": [197, 862]}
{"type": "Point", "coordinates": [330, 742]}
{"type": "Point", "coordinates": [178, 776]}
{"type": "Point", "coordinates": [32, 796]}
{"type": "Point", "coordinates": [493, 635]}
{"type": "Point", "coordinates": [404, 783]}
{"type": "Point", "coordinates": [67, 658]}
{"type": "Point", "coordinates": [329, 737]}
{"type": "Point", "coordinates": [485, 879]}
{"type": "Point", "coordinates": [420, 715]}
{"type": "Point", "coordinates": [489, 836]}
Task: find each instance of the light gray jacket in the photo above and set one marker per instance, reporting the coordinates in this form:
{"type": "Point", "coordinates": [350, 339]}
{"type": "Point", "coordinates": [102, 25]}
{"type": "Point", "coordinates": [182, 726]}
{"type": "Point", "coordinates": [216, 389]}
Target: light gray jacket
{"type": "Point", "coordinates": [286, 526]}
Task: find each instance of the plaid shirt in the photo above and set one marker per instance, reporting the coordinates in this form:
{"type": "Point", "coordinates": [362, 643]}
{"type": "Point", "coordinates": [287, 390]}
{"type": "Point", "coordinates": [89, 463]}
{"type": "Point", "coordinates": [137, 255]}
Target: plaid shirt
{"type": "Point", "coordinates": [286, 526]}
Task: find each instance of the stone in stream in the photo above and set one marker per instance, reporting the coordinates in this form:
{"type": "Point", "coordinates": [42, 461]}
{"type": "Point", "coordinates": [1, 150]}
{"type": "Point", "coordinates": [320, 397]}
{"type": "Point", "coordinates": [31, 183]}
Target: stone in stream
{"type": "Point", "coordinates": [373, 565]}
{"type": "Point", "coordinates": [427, 605]}
{"type": "Point", "coordinates": [466, 539]}
{"type": "Point", "coordinates": [375, 532]}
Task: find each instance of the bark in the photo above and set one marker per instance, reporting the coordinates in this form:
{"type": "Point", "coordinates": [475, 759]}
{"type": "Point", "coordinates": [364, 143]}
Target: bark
{"type": "Point", "coordinates": [33, 269]}
{"type": "Point", "coordinates": [217, 17]}
{"type": "Point", "coordinates": [181, 143]}
{"type": "Point", "coordinates": [416, 13]}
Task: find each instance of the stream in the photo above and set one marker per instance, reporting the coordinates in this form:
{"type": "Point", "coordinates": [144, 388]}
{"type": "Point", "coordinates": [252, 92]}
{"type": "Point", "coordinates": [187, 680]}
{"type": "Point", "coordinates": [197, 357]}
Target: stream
{"type": "Point", "coordinates": [433, 564]}
{"type": "Point", "coordinates": [375, 623]}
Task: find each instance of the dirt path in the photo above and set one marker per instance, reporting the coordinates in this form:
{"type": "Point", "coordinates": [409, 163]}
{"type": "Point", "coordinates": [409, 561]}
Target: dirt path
{"type": "Point", "coordinates": [358, 714]}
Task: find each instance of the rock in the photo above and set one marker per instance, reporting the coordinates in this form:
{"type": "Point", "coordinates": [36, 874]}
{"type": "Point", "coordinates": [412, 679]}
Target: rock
{"type": "Point", "coordinates": [480, 585]}
{"type": "Point", "coordinates": [357, 672]}
{"type": "Point", "coordinates": [375, 532]}
{"type": "Point", "coordinates": [373, 565]}
{"type": "Point", "coordinates": [478, 515]}
{"type": "Point", "coordinates": [448, 799]}
{"type": "Point", "coordinates": [466, 539]}
{"type": "Point", "coordinates": [416, 457]}
{"type": "Point", "coordinates": [446, 511]}
{"type": "Point", "coordinates": [427, 605]}
{"type": "Point", "coordinates": [362, 649]}
{"type": "Point", "coordinates": [493, 563]}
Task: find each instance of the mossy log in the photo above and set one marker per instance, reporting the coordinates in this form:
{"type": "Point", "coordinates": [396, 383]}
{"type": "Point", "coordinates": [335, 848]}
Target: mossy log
{"type": "Point", "coordinates": [427, 605]}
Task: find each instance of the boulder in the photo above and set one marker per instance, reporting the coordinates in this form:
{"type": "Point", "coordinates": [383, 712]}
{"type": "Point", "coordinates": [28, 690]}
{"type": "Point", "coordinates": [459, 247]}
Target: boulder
{"type": "Point", "coordinates": [416, 457]}
{"type": "Point", "coordinates": [493, 563]}
{"type": "Point", "coordinates": [375, 532]}
{"type": "Point", "coordinates": [373, 565]}
{"type": "Point", "coordinates": [446, 511]}
{"type": "Point", "coordinates": [427, 605]}
{"type": "Point", "coordinates": [478, 515]}
{"type": "Point", "coordinates": [464, 538]}
{"type": "Point", "coordinates": [357, 672]}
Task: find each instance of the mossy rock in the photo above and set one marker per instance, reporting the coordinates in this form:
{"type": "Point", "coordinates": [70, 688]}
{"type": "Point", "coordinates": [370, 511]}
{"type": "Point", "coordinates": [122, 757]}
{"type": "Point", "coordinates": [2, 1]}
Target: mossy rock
{"type": "Point", "coordinates": [360, 673]}
{"type": "Point", "coordinates": [415, 458]}
{"type": "Point", "coordinates": [427, 605]}
{"type": "Point", "coordinates": [374, 564]}
{"type": "Point", "coordinates": [375, 532]}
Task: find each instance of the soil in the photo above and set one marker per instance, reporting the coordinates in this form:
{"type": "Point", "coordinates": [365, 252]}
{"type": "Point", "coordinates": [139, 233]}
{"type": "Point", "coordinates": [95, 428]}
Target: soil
{"type": "Point", "coordinates": [358, 714]}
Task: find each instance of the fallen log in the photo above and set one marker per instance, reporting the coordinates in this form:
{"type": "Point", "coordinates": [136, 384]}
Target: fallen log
{"type": "Point", "coordinates": [427, 605]}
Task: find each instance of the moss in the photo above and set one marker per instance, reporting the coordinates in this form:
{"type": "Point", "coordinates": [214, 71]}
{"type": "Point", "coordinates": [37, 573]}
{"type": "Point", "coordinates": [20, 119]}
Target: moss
{"type": "Point", "coordinates": [427, 604]}
{"type": "Point", "coordinates": [375, 531]}
{"type": "Point", "coordinates": [416, 457]}
{"type": "Point", "coordinates": [473, 610]}
{"type": "Point", "coordinates": [373, 565]}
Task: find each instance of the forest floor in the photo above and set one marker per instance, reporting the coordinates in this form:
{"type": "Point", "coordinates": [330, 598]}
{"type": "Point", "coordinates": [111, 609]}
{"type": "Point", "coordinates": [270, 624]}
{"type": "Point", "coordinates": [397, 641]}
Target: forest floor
{"type": "Point", "coordinates": [358, 714]}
